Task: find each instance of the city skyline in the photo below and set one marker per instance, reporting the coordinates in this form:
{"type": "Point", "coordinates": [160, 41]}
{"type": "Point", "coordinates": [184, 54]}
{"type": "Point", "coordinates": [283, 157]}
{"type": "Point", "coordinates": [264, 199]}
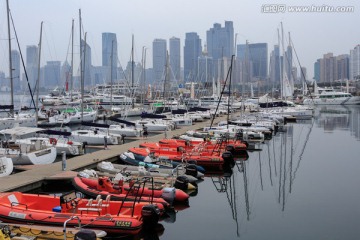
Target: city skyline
{"type": "Point", "coordinates": [313, 34]}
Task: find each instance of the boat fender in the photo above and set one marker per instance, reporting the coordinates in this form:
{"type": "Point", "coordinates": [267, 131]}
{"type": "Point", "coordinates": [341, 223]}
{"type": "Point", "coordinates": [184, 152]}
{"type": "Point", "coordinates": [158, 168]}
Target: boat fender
{"type": "Point", "coordinates": [85, 234]}
{"type": "Point", "coordinates": [181, 183]}
{"type": "Point", "coordinates": [53, 141]}
{"type": "Point", "coordinates": [150, 214]}
{"type": "Point", "coordinates": [191, 170]}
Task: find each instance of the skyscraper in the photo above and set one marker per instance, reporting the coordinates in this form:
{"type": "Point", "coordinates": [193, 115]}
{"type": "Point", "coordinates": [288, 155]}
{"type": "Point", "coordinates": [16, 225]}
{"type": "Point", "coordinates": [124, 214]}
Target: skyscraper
{"type": "Point", "coordinates": [256, 57]}
{"type": "Point", "coordinates": [192, 51]}
{"type": "Point", "coordinates": [159, 59]}
{"type": "Point", "coordinates": [52, 74]}
{"type": "Point", "coordinates": [31, 64]}
{"type": "Point", "coordinates": [86, 63]}
{"type": "Point", "coordinates": [16, 69]}
{"type": "Point", "coordinates": [175, 58]}
{"type": "Point", "coordinates": [220, 43]}
{"type": "Point", "coordinates": [275, 65]}
{"type": "Point", "coordinates": [220, 40]}
{"type": "Point", "coordinates": [354, 63]}
{"type": "Point", "coordinates": [109, 54]}
{"type": "Point", "coordinates": [288, 63]}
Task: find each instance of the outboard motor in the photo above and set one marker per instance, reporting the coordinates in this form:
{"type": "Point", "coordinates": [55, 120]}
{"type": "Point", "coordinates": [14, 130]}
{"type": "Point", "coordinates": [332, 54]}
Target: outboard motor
{"type": "Point", "coordinates": [230, 148]}
{"type": "Point", "coordinates": [181, 183]}
{"type": "Point", "coordinates": [85, 234]}
{"type": "Point", "coordinates": [191, 170]}
{"type": "Point", "coordinates": [150, 214]}
{"type": "Point", "coordinates": [228, 157]}
{"type": "Point", "coordinates": [168, 194]}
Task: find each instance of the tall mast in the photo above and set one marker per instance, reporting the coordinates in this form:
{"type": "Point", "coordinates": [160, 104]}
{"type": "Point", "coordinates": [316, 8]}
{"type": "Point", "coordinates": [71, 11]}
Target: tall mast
{"type": "Point", "coordinates": [72, 60]}
{"type": "Point", "coordinates": [10, 59]}
{"type": "Point", "coordinates": [38, 77]}
{"type": "Point", "coordinates": [132, 72]}
{"type": "Point", "coordinates": [111, 74]}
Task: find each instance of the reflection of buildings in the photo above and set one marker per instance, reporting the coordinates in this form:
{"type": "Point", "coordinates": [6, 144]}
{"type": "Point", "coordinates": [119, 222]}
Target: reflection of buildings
{"type": "Point", "coordinates": [339, 118]}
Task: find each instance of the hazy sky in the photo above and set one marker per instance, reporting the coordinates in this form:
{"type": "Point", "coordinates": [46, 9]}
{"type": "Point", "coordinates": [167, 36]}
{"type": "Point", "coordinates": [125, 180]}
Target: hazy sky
{"type": "Point", "coordinates": [313, 33]}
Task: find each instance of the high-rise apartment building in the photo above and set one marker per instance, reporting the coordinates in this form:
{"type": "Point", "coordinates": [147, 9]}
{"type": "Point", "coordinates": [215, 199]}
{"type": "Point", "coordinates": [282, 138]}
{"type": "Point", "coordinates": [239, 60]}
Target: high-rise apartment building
{"type": "Point", "coordinates": [354, 63]}
{"type": "Point", "coordinates": [86, 64]}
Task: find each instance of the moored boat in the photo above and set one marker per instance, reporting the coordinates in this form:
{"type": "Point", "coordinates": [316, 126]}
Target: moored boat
{"type": "Point", "coordinates": [113, 217]}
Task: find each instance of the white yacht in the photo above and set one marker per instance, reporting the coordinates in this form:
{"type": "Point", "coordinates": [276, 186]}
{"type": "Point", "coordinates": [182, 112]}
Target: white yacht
{"type": "Point", "coordinates": [328, 96]}
{"type": "Point", "coordinates": [22, 151]}
{"type": "Point", "coordinates": [73, 115]}
{"type": "Point", "coordinates": [93, 137]}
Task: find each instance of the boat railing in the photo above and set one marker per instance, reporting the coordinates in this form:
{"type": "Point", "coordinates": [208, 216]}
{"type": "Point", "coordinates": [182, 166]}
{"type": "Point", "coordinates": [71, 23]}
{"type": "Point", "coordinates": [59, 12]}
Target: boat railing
{"type": "Point", "coordinates": [71, 218]}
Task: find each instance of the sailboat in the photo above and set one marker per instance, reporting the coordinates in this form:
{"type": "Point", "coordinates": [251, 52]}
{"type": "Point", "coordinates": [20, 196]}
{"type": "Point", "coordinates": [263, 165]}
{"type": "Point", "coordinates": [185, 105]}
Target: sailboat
{"type": "Point", "coordinates": [16, 119]}
{"type": "Point", "coordinates": [26, 152]}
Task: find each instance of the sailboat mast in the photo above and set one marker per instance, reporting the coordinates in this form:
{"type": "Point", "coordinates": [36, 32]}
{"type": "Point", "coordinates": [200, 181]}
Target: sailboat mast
{"type": "Point", "coordinates": [72, 61]}
{"type": "Point", "coordinates": [10, 60]}
{"type": "Point", "coordinates": [38, 77]}
{"type": "Point", "coordinates": [132, 72]}
{"type": "Point", "coordinates": [111, 74]}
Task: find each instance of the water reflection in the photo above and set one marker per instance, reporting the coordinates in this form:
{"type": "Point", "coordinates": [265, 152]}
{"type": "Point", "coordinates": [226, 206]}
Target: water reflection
{"type": "Point", "coordinates": [343, 118]}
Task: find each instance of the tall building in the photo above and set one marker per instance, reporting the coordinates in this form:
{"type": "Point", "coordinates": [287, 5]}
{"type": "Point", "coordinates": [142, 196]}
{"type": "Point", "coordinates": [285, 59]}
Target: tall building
{"type": "Point", "coordinates": [16, 69]}
{"type": "Point", "coordinates": [255, 56]}
{"type": "Point", "coordinates": [317, 70]}
{"type": "Point", "coordinates": [174, 45]}
{"type": "Point", "coordinates": [110, 54]}
{"type": "Point", "coordinates": [342, 67]}
{"type": "Point", "coordinates": [86, 64]}
{"type": "Point", "coordinates": [294, 73]}
{"type": "Point", "coordinates": [192, 51]}
{"type": "Point", "coordinates": [303, 74]}
{"type": "Point", "coordinates": [31, 64]}
{"type": "Point", "coordinates": [51, 74]}
{"type": "Point", "coordinates": [220, 42]}
{"type": "Point", "coordinates": [275, 65]}
{"type": "Point", "coordinates": [331, 68]}
{"type": "Point", "coordinates": [354, 63]}
{"type": "Point", "coordinates": [159, 59]}
{"type": "Point", "coordinates": [288, 63]}
{"type": "Point", "coordinates": [205, 68]}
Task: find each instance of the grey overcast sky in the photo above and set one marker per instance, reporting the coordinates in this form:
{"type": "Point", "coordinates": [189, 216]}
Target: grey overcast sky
{"type": "Point", "coordinates": [313, 33]}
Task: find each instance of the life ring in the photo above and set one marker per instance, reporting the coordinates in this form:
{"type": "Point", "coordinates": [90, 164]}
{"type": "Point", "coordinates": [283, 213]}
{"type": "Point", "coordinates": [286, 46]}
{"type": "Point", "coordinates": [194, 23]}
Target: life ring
{"type": "Point", "coordinates": [53, 141]}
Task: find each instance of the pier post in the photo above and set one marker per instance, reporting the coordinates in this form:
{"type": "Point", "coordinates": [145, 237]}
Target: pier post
{"type": "Point", "coordinates": [63, 160]}
{"type": "Point", "coordinates": [105, 142]}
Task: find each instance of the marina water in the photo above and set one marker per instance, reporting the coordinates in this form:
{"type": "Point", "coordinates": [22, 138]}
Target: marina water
{"type": "Point", "coordinates": [302, 185]}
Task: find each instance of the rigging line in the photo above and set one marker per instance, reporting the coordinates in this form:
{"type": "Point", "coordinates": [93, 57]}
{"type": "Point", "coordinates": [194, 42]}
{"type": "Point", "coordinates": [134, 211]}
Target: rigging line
{"type": "Point", "coordinates": [22, 61]}
{"type": "Point", "coordinates": [302, 72]}
{"type": "Point", "coordinates": [227, 76]}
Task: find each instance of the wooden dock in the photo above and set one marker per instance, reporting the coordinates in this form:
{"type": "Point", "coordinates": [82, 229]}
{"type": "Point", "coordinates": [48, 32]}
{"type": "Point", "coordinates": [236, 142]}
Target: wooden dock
{"type": "Point", "coordinates": [35, 175]}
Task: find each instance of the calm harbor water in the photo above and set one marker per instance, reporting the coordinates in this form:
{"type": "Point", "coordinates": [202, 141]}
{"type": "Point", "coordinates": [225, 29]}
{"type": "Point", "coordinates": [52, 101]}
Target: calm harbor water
{"type": "Point", "coordinates": [303, 184]}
